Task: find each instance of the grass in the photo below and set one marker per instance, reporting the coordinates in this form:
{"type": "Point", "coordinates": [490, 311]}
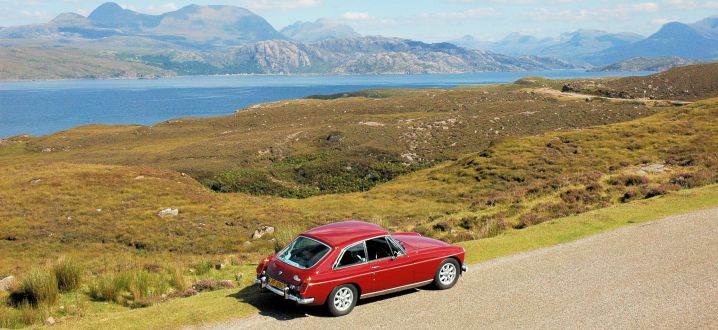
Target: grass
{"type": "Point", "coordinates": [222, 305]}
{"type": "Point", "coordinates": [38, 288]}
{"type": "Point", "coordinates": [68, 274]}
{"type": "Point", "coordinates": [575, 227]}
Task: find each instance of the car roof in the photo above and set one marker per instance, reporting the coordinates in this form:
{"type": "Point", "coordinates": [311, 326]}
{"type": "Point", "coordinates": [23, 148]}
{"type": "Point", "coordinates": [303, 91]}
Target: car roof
{"type": "Point", "coordinates": [345, 232]}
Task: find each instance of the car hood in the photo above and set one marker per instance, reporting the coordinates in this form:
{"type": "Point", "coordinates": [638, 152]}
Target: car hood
{"type": "Point", "coordinates": [417, 243]}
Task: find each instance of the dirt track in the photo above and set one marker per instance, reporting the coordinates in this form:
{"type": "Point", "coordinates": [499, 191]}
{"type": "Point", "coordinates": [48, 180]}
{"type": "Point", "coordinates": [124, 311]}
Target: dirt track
{"type": "Point", "coordinates": [662, 274]}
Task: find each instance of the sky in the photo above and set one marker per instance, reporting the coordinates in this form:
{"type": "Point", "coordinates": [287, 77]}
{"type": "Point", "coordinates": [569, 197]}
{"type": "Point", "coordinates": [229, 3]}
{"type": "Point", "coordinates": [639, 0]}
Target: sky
{"type": "Point", "coordinates": [426, 20]}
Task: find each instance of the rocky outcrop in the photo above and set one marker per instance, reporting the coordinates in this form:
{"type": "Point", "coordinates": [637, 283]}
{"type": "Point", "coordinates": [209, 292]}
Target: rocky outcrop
{"type": "Point", "coordinates": [263, 230]}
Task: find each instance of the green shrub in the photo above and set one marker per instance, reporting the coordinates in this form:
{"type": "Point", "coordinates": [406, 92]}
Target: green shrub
{"type": "Point", "coordinates": [37, 288]}
{"type": "Point", "coordinates": [202, 268]}
{"type": "Point", "coordinates": [68, 274]}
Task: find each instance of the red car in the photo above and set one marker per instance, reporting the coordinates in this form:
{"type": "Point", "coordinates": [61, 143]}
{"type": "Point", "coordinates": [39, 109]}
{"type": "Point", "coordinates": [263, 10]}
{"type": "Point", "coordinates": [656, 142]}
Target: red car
{"type": "Point", "coordinates": [339, 263]}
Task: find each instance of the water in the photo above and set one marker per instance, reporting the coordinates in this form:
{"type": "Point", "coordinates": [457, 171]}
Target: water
{"type": "Point", "coordinates": [44, 107]}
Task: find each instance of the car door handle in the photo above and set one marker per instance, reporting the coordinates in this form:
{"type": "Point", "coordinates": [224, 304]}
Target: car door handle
{"type": "Point", "coordinates": [375, 267]}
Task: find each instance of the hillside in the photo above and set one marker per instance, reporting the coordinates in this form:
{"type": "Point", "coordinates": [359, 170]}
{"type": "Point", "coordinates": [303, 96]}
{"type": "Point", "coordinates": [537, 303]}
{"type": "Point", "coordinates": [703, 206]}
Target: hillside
{"type": "Point", "coordinates": [22, 63]}
{"type": "Point", "coordinates": [129, 209]}
{"type": "Point", "coordinates": [88, 209]}
{"type": "Point", "coordinates": [688, 83]}
{"type": "Point", "coordinates": [340, 145]}
{"type": "Point", "coordinates": [639, 64]}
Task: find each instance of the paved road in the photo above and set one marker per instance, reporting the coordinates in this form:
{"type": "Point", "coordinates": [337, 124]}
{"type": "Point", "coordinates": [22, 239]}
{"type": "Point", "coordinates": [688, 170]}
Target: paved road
{"type": "Point", "coordinates": [662, 274]}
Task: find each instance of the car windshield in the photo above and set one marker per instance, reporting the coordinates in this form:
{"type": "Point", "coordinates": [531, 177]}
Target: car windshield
{"type": "Point", "coordinates": [304, 252]}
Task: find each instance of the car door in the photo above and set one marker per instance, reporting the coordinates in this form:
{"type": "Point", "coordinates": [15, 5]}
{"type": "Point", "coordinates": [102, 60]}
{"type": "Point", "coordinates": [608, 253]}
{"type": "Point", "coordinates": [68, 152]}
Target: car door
{"type": "Point", "coordinates": [391, 268]}
{"type": "Point", "coordinates": [352, 266]}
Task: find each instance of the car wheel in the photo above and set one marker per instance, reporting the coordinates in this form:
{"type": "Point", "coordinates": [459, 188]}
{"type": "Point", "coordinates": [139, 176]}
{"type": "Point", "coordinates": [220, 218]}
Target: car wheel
{"type": "Point", "coordinates": [342, 300]}
{"type": "Point", "coordinates": [447, 274]}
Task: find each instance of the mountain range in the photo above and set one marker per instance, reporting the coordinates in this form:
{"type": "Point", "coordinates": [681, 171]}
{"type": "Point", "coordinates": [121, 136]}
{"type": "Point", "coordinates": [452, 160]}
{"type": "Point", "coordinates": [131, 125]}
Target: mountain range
{"type": "Point", "coordinates": [233, 40]}
{"type": "Point", "coordinates": [696, 41]}
{"type": "Point", "coordinates": [215, 39]}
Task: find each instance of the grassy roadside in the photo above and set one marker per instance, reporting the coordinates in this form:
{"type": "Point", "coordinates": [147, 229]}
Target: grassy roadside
{"type": "Point", "coordinates": [227, 304]}
{"type": "Point", "coordinates": [575, 227]}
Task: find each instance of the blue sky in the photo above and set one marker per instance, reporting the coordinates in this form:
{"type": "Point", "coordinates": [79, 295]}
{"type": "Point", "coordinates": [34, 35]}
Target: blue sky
{"type": "Point", "coordinates": [427, 20]}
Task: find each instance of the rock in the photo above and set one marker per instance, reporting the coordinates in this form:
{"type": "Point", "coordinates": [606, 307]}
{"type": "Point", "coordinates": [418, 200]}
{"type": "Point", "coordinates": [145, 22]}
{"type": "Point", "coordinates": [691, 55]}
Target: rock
{"type": "Point", "coordinates": [50, 321]}
{"type": "Point", "coordinates": [35, 181]}
{"type": "Point", "coordinates": [169, 212]}
{"type": "Point", "coordinates": [139, 177]}
{"type": "Point", "coordinates": [653, 168]}
{"type": "Point", "coordinates": [261, 231]}
{"type": "Point", "coordinates": [219, 266]}
{"type": "Point", "coordinates": [334, 137]}
{"type": "Point", "coordinates": [7, 283]}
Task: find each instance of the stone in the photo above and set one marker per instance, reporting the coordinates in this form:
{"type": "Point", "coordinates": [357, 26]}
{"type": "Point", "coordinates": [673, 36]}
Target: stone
{"type": "Point", "coordinates": [261, 231]}
{"type": "Point", "coordinates": [50, 321]}
{"type": "Point", "coordinates": [653, 168]}
{"type": "Point", "coordinates": [219, 266]}
{"type": "Point", "coordinates": [7, 283]}
{"type": "Point", "coordinates": [168, 212]}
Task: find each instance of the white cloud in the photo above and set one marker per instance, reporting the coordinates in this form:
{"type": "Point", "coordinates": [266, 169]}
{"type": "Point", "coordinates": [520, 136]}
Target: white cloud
{"type": "Point", "coordinates": [692, 4]}
{"type": "Point", "coordinates": [601, 14]}
{"type": "Point", "coordinates": [152, 9]}
{"type": "Point", "coordinates": [662, 21]}
{"type": "Point", "coordinates": [464, 14]}
{"type": "Point", "coordinates": [276, 4]}
{"type": "Point", "coordinates": [355, 16]}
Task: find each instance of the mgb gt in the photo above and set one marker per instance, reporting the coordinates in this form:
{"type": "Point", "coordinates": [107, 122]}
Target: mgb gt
{"type": "Point", "coordinates": [338, 264]}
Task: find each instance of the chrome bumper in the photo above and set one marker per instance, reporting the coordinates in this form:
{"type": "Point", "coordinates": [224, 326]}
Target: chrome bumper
{"type": "Point", "coordinates": [262, 281]}
{"type": "Point", "coordinates": [464, 268]}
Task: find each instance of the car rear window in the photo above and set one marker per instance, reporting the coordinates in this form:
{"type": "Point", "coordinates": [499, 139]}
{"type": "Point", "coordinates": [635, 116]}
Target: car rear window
{"type": "Point", "coordinates": [304, 252]}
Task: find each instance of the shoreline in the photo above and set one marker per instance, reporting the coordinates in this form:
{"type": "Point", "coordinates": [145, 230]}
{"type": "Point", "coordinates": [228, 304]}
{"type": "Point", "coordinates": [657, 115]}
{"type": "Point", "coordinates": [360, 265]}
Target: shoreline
{"type": "Point", "coordinates": [588, 71]}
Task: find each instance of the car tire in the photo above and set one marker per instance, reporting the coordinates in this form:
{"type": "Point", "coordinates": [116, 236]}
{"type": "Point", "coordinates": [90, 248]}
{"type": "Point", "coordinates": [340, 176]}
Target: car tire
{"type": "Point", "coordinates": [447, 274]}
{"type": "Point", "coordinates": [342, 300]}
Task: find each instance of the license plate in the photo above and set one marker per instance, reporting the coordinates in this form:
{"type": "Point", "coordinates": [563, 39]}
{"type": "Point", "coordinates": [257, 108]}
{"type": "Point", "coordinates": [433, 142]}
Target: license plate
{"type": "Point", "coordinates": [276, 284]}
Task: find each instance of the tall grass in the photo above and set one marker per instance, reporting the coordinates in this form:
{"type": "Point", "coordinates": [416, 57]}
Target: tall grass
{"type": "Point", "coordinates": [21, 317]}
{"type": "Point", "coordinates": [178, 281]}
{"type": "Point", "coordinates": [285, 235]}
{"type": "Point", "coordinates": [68, 274]}
{"type": "Point", "coordinates": [37, 288]}
{"type": "Point", "coordinates": [129, 288]}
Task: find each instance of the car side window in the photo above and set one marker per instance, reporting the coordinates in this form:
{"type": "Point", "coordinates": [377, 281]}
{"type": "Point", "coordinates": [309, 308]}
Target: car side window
{"type": "Point", "coordinates": [353, 255]}
{"type": "Point", "coordinates": [395, 247]}
{"type": "Point", "coordinates": [378, 248]}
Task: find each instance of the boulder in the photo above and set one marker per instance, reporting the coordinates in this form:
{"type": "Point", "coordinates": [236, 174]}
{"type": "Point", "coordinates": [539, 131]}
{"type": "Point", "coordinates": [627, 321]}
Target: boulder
{"type": "Point", "coordinates": [261, 231]}
{"type": "Point", "coordinates": [7, 283]}
{"type": "Point", "coordinates": [169, 212]}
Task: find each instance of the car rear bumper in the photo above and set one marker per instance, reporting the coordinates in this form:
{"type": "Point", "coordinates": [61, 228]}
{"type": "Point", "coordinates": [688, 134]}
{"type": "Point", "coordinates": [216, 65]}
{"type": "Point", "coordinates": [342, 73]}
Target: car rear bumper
{"type": "Point", "coordinates": [262, 282]}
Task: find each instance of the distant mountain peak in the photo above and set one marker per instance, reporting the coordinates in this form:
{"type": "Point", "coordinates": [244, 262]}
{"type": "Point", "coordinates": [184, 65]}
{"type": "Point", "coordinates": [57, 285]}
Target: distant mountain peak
{"type": "Point", "coordinates": [321, 29]}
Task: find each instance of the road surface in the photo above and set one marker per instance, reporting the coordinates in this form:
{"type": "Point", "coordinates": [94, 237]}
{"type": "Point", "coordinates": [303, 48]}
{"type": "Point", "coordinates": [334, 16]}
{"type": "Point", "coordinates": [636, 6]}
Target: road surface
{"type": "Point", "coordinates": [658, 275]}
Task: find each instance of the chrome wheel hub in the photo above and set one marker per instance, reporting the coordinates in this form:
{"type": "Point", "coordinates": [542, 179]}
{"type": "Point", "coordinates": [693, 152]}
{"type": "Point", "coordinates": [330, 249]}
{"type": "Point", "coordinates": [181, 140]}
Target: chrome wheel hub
{"type": "Point", "coordinates": [447, 273]}
{"type": "Point", "coordinates": [343, 299]}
